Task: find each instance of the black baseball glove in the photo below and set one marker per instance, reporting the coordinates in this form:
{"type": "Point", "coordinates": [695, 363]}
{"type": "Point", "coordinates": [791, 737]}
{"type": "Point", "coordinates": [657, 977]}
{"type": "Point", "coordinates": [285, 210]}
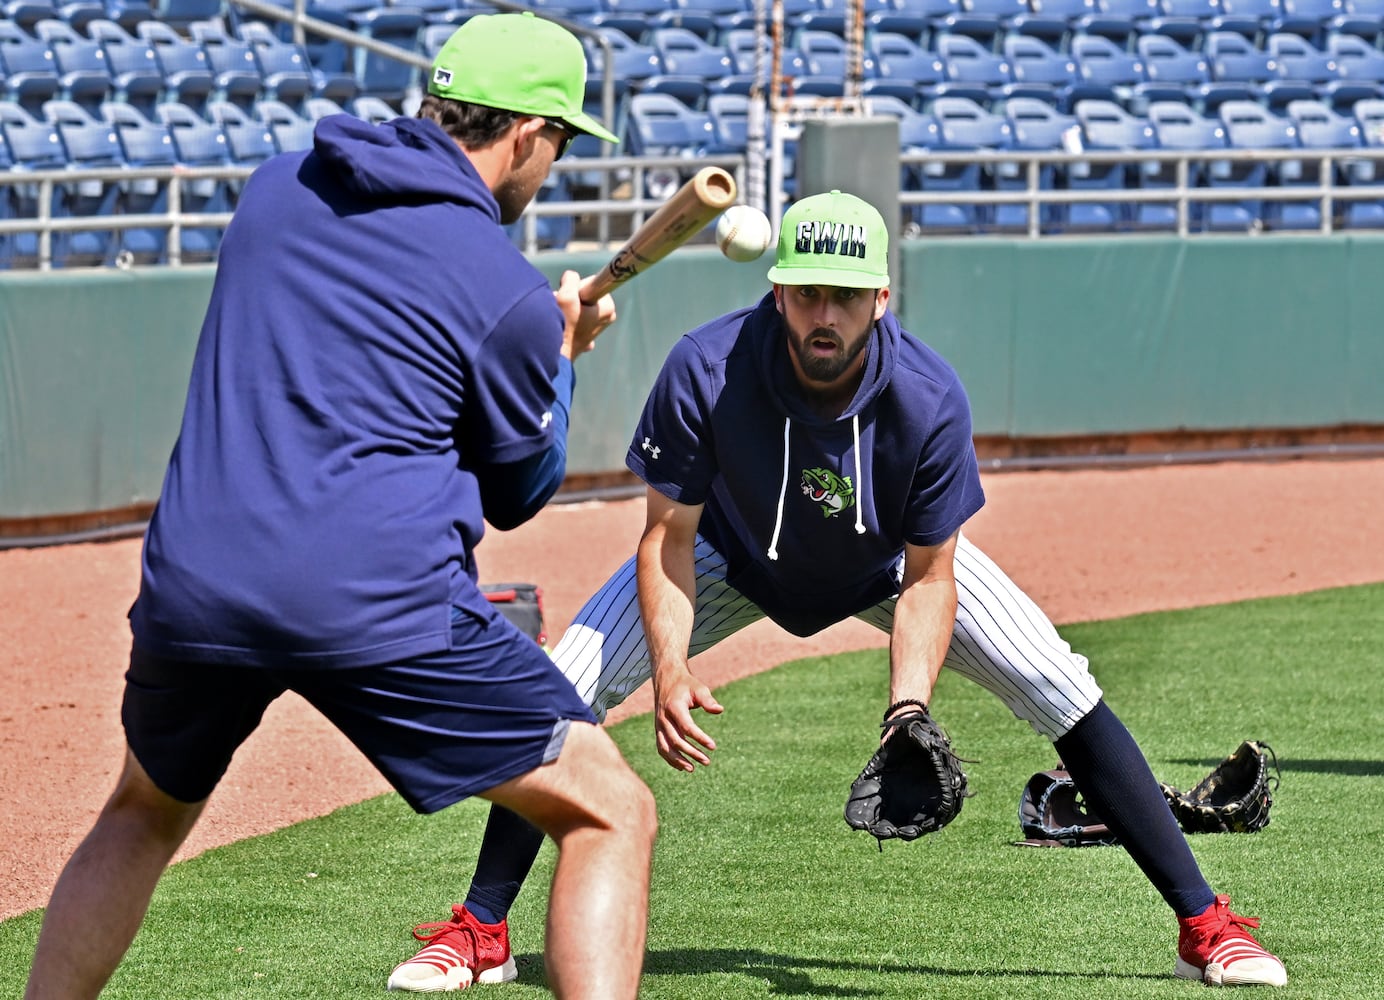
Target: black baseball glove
{"type": "Point", "coordinates": [1052, 813]}
{"type": "Point", "coordinates": [912, 785]}
{"type": "Point", "coordinates": [1234, 798]}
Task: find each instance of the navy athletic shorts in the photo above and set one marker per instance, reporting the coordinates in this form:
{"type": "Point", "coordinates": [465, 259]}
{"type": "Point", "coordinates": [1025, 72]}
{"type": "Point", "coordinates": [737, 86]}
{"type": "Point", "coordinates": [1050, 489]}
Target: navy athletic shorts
{"type": "Point", "coordinates": [439, 728]}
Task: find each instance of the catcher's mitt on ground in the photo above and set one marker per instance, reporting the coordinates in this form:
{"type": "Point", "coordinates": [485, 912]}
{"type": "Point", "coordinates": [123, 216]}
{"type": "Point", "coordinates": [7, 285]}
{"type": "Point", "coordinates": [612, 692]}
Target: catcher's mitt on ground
{"type": "Point", "coordinates": [1052, 813]}
{"type": "Point", "coordinates": [912, 785]}
{"type": "Point", "coordinates": [1234, 798]}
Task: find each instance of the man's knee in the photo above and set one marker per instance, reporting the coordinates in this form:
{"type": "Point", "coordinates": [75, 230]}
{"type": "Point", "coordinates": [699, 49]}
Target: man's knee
{"type": "Point", "coordinates": [616, 796]}
{"type": "Point", "coordinates": [589, 787]}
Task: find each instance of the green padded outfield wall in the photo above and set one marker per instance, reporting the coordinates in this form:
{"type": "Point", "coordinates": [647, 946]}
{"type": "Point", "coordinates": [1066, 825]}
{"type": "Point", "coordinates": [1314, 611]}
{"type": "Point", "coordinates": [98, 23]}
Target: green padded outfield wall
{"type": "Point", "coordinates": [1053, 338]}
{"type": "Point", "coordinates": [1117, 336]}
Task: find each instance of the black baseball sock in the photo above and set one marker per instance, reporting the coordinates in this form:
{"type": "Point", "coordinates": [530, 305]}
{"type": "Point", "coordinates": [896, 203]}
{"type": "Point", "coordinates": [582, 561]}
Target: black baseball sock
{"type": "Point", "coordinates": [508, 850]}
{"type": "Point", "coordinates": [1112, 775]}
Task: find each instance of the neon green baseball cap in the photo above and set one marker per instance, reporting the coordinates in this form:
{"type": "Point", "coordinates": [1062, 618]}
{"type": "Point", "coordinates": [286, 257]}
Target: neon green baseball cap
{"type": "Point", "coordinates": [520, 63]}
{"type": "Point", "coordinates": [832, 239]}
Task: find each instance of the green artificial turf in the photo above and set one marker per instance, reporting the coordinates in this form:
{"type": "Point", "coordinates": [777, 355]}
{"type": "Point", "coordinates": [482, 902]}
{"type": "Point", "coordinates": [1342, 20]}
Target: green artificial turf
{"type": "Point", "coordinates": [761, 890]}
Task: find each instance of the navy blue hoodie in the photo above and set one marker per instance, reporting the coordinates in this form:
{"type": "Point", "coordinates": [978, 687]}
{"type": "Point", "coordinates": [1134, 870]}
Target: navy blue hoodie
{"type": "Point", "coordinates": [372, 339]}
{"type": "Point", "coordinates": [811, 513]}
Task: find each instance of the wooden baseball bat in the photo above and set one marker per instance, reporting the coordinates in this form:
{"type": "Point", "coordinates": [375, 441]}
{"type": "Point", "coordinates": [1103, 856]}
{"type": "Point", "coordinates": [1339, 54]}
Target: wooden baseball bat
{"type": "Point", "coordinates": [706, 195]}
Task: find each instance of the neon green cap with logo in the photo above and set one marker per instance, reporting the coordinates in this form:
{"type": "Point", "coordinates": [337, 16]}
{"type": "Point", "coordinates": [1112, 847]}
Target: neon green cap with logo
{"type": "Point", "coordinates": [520, 63]}
{"type": "Point", "coordinates": [832, 239]}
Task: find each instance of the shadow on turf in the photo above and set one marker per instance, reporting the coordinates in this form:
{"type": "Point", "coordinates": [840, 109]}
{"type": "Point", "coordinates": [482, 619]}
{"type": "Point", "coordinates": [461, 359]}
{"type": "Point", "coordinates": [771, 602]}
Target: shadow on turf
{"type": "Point", "coordinates": [791, 975]}
{"type": "Point", "coordinates": [1347, 768]}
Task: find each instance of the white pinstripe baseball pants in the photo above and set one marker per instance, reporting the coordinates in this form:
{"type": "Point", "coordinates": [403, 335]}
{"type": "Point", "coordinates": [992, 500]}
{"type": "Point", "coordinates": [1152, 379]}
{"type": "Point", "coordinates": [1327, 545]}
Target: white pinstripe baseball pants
{"type": "Point", "coordinates": [1002, 640]}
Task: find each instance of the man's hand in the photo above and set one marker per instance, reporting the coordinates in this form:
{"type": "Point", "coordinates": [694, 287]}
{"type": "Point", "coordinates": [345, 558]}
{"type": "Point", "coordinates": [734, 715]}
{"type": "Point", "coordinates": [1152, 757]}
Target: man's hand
{"type": "Point", "coordinates": [582, 322]}
{"type": "Point", "coordinates": [680, 740]}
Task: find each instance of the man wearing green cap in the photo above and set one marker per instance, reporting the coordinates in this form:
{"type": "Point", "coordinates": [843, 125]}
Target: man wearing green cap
{"type": "Point", "coordinates": [379, 373]}
{"type": "Point", "coordinates": [809, 461]}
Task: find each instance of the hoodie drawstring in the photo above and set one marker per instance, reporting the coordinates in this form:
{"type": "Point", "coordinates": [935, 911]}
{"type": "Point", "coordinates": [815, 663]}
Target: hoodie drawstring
{"type": "Point", "coordinates": [783, 486]}
{"type": "Point", "coordinates": [783, 492]}
{"type": "Point", "coordinates": [859, 486]}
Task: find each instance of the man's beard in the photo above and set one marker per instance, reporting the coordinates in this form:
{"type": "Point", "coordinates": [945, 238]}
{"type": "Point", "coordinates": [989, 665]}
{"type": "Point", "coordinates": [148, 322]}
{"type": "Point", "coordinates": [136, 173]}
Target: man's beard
{"type": "Point", "coordinates": [829, 368]}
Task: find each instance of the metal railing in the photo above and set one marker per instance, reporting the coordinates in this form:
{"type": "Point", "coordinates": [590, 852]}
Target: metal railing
{"type": "Point", "coordinates": [642, 183]}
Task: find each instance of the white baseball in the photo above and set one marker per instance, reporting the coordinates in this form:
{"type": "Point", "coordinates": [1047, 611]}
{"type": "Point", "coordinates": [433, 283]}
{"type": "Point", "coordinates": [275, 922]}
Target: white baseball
{"type": "Point", "coordinates": [743, 232]}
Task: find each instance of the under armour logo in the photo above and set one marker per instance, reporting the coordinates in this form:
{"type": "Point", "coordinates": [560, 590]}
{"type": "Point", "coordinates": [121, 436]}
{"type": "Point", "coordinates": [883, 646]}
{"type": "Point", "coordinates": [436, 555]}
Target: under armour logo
{"type": "Point", "coordinates": [651, 448]}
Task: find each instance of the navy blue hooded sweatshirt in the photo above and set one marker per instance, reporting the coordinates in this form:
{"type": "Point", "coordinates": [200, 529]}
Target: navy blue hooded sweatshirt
{"type": "Point", "coordinates": [373, 339]}
{"type": "Point", "coordinates": [811, 513]}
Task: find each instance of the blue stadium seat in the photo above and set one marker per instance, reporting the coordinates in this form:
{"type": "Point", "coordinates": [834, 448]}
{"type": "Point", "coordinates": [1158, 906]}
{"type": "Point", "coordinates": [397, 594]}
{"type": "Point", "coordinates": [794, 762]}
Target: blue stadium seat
{"type": "Point", "coordinates": [661, 125]}
{"type": "Point", "coordinates": [80, 13]}
{"type": "Point", "coordinates": [631, 60]}
{"type": "Point", "coordinates": [729, 115]}
{"type": "Point", "coordinates": [1300, 61]}
{"type": "Point", "coordinates": [1173, 73]}
{"type": "Point", "coordinates": [249, 141]}
{"type": "Point", "coordinates": [378, 75]}
{"type": "Point", "coordinates": [1235, 60]}
{"type": "Point", "coordinates": [1319, 126]}
{"type": "Point", "coordinates": [916, 129]}
{"type": "Point", "coordinates": [740, 47]}
{"type": "Point", "coordinates": [685, 53]}
{"type": "Point", "coordinates": [90, 145]}
{"type": "Point", "coordinates": [1183, 20]}
{"type": "Point", "coordinates": [317, 108]}
{"type": "Point", "coordinates": [129, 14]}
{"type": "Point", "coordinates": [632, 17]}
{"type": "Point", "coordinates": [1117, 20]}
{"type": "Point", "coordinates": [1249, 125]}
{"type": "Point", "coordinates": [825, 54]}
{"type": "Point", "coordinates": [904, 69]}
{"type": "Point", "coordinates": [973, 71]}
{"type": "Point", "coordinates": [1106, 125]}
{"type": "Point", "coordinates": [1039, 71]}
{"type": "Point", "coordinates": [135, 74]}
{"type": "Point", "coordinates": [1363, 18]}
{"type": "Point", "coordinates": [202, 145]}
{"type": "Point", "coordinates": [25, 14]}
{"type": "Point", "coordinates": [145, 144]}
{"type": "Point", "coordinates": [372, 109]}
{"type": "Point", "coordinates": [1179, 127]}
{"type": "Point", "coordinates": [1037, 126]}
{"type": "Point", "coordinates": [1361, 66]}
{"type": "Point", "coordinates": [918, 20]}
{"type": "Point", "coordinates": [281, 61]}
{"type": "Point", "coordinates": [30, 75]}
{"type": "Point", "coordinates": [962, 125]}
{"type": "Point", "coordinates": [1254, 19]}
{"type": "Point", "coordinates": [32, 144]}
{"type": "Point", "coordinates": [983, 20]}
{"type": "Point", "coordinates": [435, 35]}
{"type": "Point", "coordinates": [1309, 18]}
{"type": "Point", "coordinates": [1105, 71]}
{"type": "Point", "coordinates": [708, 18]}
{"type": "Point", "coordinates": [291, 130]}
{"type": "Point", "coordinates": [179, 14]}
{"type": "Point", "coordinates": [187, 75]}
{"type": "Point", "coordinates": [83, 71]}
{"type": "Point", "coordinates": [1054, 21]}
{"type": "Point", "coordinates": [232, 62]}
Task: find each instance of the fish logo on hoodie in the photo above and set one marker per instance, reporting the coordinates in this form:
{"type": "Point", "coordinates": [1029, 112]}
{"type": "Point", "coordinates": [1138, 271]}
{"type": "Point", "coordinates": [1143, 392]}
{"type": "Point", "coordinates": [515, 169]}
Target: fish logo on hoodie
{"type": "Point", "coordinates": [834, 493]}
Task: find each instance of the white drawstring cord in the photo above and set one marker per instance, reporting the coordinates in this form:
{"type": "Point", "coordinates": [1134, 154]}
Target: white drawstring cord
{"type": "Point", "coordinates": [859, 486]}
{"type": "Point", "coordinates": [783, 490]}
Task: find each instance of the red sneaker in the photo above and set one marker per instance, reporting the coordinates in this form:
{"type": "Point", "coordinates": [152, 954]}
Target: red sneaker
{"type": "Point", "coordinates": [1216, 948]}
{"type": "Point", "coordinates": [458, 952]}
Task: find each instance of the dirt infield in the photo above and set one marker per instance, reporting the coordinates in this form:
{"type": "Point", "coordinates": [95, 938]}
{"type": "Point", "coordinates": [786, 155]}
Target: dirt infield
{"type": "Point", "coordinates": [1084, 544]}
